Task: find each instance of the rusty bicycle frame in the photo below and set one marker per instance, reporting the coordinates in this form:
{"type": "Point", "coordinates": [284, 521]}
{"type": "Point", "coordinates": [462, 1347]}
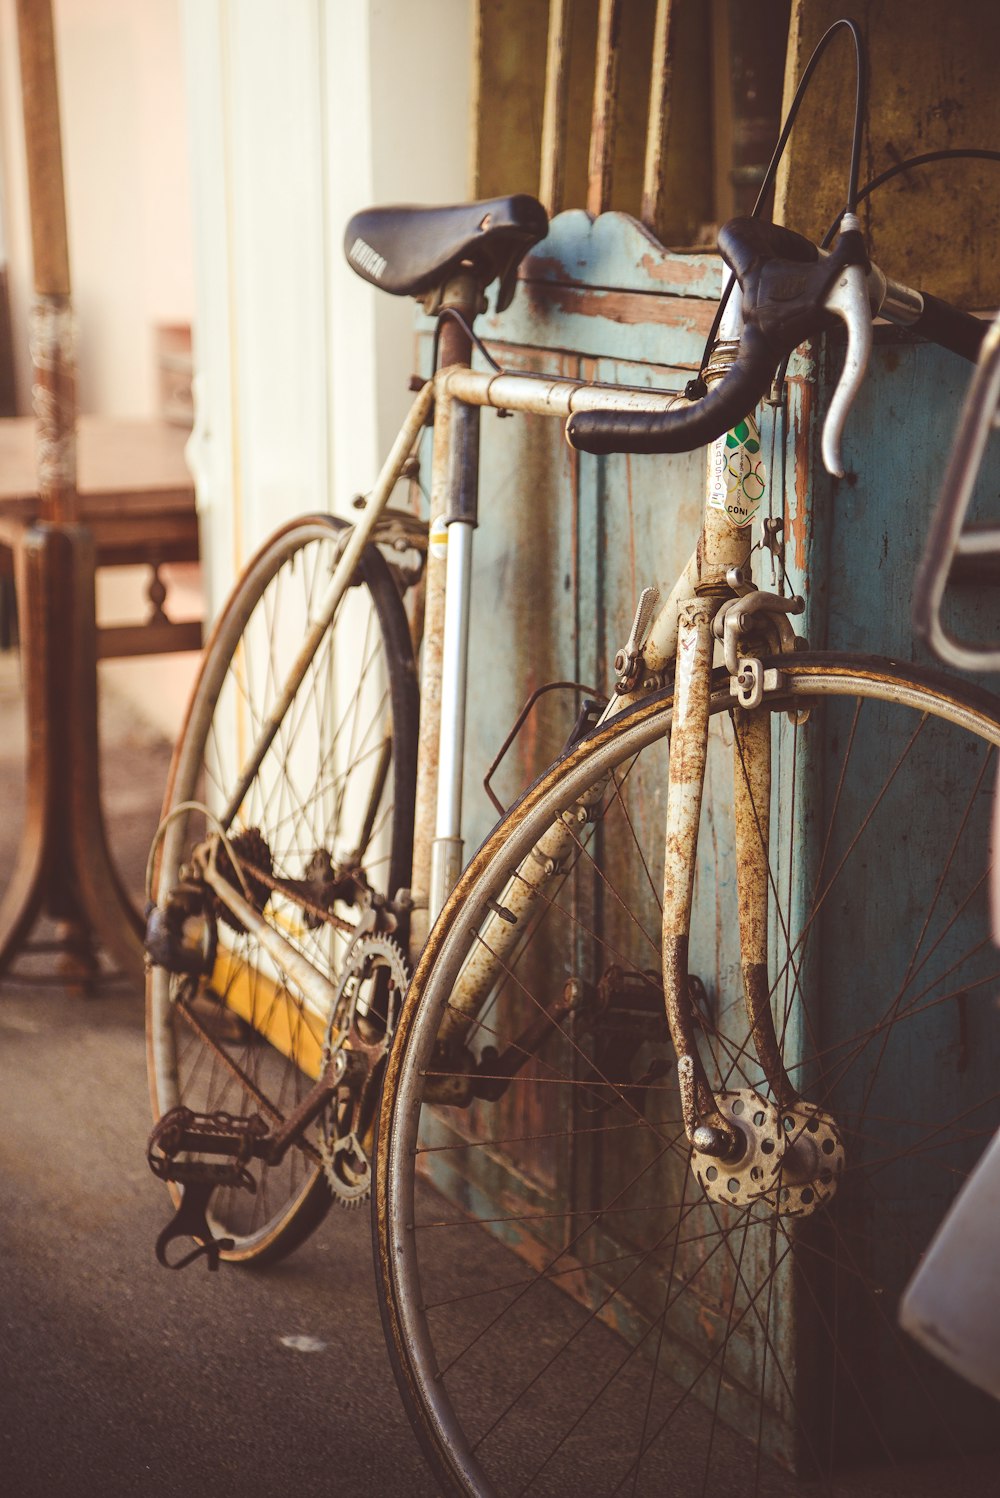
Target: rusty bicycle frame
{"type": "Point", "coordinates": [457, 393]}
{"type": "Point", "coordinates": [711, 601]}
{"type": "Point", "coordinates": [452, 400]}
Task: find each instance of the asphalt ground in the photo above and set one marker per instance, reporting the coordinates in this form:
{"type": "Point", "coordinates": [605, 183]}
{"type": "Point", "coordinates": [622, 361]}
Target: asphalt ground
{"type": "Point", "coordinates": [118, 1377]}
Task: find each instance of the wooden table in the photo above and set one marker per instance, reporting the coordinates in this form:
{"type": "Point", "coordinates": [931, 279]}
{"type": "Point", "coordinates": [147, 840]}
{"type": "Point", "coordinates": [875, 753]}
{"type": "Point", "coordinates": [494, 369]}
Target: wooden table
{"type": "Point", "coordinates": [135, 506]}
{"type": "Point", "coordinates": [137, 498]}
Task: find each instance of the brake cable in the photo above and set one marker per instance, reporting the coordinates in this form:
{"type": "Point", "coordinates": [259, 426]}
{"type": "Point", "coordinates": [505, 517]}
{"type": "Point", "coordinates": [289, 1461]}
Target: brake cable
{"type": "Point", "coordinates": [697, 388]}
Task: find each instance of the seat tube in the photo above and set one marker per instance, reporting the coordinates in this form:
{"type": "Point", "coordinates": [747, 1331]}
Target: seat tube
{"type": "Point", "coordinates": [461, 519]}
{"type": "Point", "coordinates": [450, 473]}
{"type": "Point", "coordinates": [455, 500]}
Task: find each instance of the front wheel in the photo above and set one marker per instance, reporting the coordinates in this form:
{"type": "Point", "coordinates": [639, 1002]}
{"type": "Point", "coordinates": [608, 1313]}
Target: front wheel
{"type": "Point", "coordinates": [573, 1304]}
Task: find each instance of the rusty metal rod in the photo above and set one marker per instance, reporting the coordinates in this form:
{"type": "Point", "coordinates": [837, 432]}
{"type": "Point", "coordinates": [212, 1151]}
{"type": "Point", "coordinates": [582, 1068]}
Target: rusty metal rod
{"type": "Point", "coordinates": [543, 396]}
{"type": "Point", "coordinates": [319, 993]}
{"type": "Point", "coordinates": [431, 661]}
{"type": "Point", "coordinates": [703, 1123]}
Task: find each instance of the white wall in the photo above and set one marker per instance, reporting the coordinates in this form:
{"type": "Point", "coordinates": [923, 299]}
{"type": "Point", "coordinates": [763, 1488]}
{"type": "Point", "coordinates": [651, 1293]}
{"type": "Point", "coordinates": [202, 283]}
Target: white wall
{"type": "Point", "coordinates": [301, 113]}
{"type": "Point", "coordinates": [125, 162]}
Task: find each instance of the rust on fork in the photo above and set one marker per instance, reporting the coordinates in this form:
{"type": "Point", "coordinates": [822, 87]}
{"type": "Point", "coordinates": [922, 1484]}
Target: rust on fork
{"type": "Point", "coordinates": [752, 811]}
{"type": "Point", "coordinates": [688, 751]}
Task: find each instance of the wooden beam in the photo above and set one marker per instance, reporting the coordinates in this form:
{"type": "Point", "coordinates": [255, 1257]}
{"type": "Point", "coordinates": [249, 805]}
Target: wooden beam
{"type": "Point", "coordinates": [602, 130]}
{"type": "Point", "coordinates": [43, 147]}
{"type": "Point", "coordinates": [161, 638]}
{"type": "Point", "coordinates": [552, 174]}
{"type": "Point", "coordinates": [658, 123]}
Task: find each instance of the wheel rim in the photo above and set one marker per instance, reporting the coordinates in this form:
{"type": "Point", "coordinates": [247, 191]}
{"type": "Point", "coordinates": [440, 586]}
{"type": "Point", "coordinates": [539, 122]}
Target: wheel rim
{"type": "Point", "coordinates": [249, 1042]}
{"type": "Point", "coordinates": [490, 1373]}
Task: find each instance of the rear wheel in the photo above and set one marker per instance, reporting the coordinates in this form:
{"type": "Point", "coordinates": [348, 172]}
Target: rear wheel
{"type": "Point", "coordinates": [574, 1303]}
{"type": "Point", "coordinates": [324, 825]}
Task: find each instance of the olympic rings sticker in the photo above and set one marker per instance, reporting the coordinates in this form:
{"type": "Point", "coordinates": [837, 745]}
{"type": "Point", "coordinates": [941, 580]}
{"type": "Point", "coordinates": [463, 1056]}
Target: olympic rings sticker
{"type": "Point", "coordinates": [737, 476]}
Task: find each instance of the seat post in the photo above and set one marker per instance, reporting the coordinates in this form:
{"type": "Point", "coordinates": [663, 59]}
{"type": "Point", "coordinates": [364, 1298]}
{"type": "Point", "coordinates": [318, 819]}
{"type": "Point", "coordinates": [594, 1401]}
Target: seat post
{"type": "Point", "coordinates": [464, 294]}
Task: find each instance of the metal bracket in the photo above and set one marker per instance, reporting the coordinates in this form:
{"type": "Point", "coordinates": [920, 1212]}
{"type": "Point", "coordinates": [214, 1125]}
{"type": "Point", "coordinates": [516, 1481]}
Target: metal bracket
{"type": "Point", "coordinates": [750, 681]}
{"type": "Point", "coordinates": [628, 661]}
{"type": "Point", "coordinates": [585, 719]}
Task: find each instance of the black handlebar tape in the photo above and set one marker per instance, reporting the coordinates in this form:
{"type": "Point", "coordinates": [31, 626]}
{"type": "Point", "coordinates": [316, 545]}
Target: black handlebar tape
{"type": "Point", "coordinates": [725, 405]}
{"type": "Point", "coordinates": [784, 283]}
{"type": "Point", "coordinates": [958, 331]}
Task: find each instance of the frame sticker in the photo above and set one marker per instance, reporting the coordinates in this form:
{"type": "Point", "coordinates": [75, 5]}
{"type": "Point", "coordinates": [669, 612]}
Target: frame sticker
{"type": "Point", "coordinates": [737, 476]}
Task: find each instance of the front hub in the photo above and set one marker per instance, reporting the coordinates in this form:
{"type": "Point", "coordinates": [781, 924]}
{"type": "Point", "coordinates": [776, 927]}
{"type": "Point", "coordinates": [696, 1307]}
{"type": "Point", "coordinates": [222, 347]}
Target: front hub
{"type": "Point", "coordinates": [792, 1158]}
{"type": "Point", "coordinates": [754, 1176]}
{"type": "Point", "coordinates": [813, 1159]}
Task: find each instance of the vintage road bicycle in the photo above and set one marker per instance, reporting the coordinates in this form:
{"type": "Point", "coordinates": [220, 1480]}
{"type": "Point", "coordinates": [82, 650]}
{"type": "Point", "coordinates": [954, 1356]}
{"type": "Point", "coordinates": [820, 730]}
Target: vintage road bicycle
{"type": "Point", "coordinates": [599, 1265]}
{"type": "Point", "coordinates": [716, 1285]}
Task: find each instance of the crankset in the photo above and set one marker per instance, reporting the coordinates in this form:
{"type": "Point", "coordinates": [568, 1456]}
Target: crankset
{"type": "Point", "coordinates": [343, 1100]}
{"type": "Point", "coordinates": [373, 981]}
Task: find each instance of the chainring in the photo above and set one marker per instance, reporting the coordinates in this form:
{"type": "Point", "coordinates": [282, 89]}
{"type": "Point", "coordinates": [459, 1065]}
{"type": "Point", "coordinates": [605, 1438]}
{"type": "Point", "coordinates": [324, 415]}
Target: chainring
{"type": "Point", "coordinates": [372, 983]}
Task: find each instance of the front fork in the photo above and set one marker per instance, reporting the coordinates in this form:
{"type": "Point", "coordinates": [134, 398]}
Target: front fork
{"type": "Point", "coordinates": [721, 572]}
{"type": "Point", "coordinates": [708, 1129]}
{"type": "Point", "coordinates": [703, 1123]}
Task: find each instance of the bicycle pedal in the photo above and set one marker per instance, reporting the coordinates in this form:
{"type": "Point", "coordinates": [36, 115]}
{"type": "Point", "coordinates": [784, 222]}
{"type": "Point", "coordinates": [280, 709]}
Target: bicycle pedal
{"type": "Point", "coordinates": [182, 1132]}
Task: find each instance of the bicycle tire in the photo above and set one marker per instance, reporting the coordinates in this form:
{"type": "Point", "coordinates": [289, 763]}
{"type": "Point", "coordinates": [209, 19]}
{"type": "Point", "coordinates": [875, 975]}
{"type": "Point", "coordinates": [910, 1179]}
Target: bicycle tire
{"type": "Point", "coordinates": [341, 770]}
{"type": "Point", "coordinates": [486, 1213]}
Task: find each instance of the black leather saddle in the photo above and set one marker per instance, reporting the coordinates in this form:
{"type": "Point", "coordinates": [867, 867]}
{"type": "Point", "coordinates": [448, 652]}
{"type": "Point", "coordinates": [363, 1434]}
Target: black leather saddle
{"type": "Point", "coordinates": [412, 251]}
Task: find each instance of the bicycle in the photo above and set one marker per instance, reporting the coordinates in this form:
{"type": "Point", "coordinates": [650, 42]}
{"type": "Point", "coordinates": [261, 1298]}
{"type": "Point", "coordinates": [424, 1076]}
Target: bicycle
{"type": "Point", "coordinates": [741, 1127]}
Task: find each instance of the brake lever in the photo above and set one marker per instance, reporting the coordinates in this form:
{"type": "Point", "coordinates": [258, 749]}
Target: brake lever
{"type": "Point", "coordinates": [848, 299]}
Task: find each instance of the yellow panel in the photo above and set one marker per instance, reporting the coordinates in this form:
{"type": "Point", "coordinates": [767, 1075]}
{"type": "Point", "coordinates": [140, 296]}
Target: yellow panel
{"type": "Point", "coordinates": [268, 1008]}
